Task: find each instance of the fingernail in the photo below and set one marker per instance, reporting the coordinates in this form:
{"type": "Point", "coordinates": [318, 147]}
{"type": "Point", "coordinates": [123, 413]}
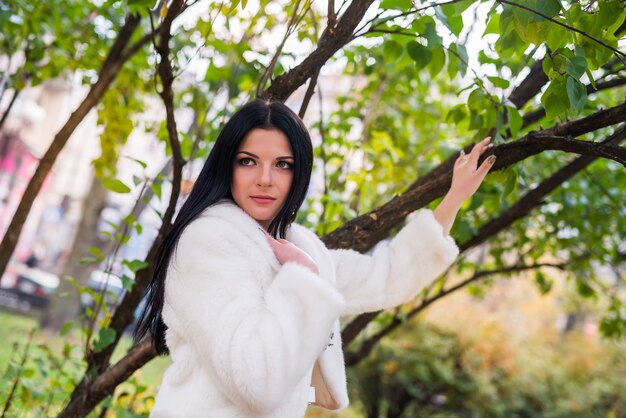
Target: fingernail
{"type": "Point", "coordinates": [490, 145]}
{"type": "Point", "coordinates": [491, 159]}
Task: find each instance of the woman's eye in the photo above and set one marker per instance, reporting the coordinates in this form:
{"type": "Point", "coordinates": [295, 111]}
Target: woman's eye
{"type": "Point", "coordinates": [284, 164]}
{"type": "Point", "coordinates": [246, 161]}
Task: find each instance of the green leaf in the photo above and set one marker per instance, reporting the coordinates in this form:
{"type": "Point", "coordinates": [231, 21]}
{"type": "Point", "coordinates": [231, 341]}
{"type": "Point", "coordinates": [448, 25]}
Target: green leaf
{"type": "Point", "coordinates": [584, 289]}
{"type": "Point", "coordinates": [499, 82]}
{"type": "Point", "coordinates": [135, 265]}
{"type": "Point", "coordinates": [555, 100]}
{"type": "Point", "coordinates": [72, 281]}
{"type": "Point", "coordinates": [87, 260]}
{"type": "Point", "coordinates": [127, 282]}
{"type": "Point", "coordinates": [464, 58]}
{"type": "Point", "coordinates": [610, 15]}
{"type": "Point", "coordinates": [456, 114]}
{"type": "Point", "coordinates": [106, 336]}
{"type": "Point", "coordinates": [577, 94]}
{"type": "Point", "coordinates": [543, 282]}
{"type": "Point", "coordinates": [97, 253]}
{"type": "Point", "coordinates": [515, 120]}
{"type": "Point", "coordinates": [66, 328]}
{"type": "Point", "coordinates": [420, 54]}
{"type": "Point", "coordinates": [557, 36]}
{"type": "Point", "coordinates": [396, 4]}
{"type": "Point", "coordinates": [115, 186]}
{"type": "Point", "coordinates": [549, 8]}
{"type": "Point", "coordinates": [477, 100]}
{"type": "Point", "coordinates": [129, 219]}
{"type": "Point", "coordinates": [186, 145]}
{"type": "Point", "coordinates": [510, 183]}
{"type": "Point", "coordinates": [431, 35]}
{"type": "Point", "coordinates": [463, 230]}
{"type": "Point", "coordinates": [233, 5]}
{"type": "Point", "coordinates": [156, 187]}
{"type": "Point", "coordinates": [139, 6]}
{"type": "Point", "coordinates": [493, 25]}
{"type": "Point", "coordinates": [476, 121]}
{"type": "Point", "coordinates": [576, 66]}
{"type": "Point", "coordinates": [392, 50]}
{"type": "Point", "coordinates": [143, 164]}
{"type": "Point", "coordinates": [437, 62]}
{"type": "Point", "coordinates": [450, 16]}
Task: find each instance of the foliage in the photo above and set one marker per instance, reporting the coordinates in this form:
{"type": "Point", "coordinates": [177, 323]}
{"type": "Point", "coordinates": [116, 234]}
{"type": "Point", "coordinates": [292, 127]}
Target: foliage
{"type": "Point", "coordinates": [416, 99]}
{"type": "Point", "coordinates": [44, 40]}
{"type": "Point", "coordinates": [54, 366]}
{"type": "Point", "coordinates": [428, 372]}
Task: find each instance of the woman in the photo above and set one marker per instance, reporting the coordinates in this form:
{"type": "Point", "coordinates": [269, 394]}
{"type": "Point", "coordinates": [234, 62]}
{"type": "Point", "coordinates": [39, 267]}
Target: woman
{"type": "Point", "coordinates": [247, 303]}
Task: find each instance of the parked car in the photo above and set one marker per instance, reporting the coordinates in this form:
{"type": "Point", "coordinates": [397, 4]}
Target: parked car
{"type": "Point", "coordinates": [27, 288]}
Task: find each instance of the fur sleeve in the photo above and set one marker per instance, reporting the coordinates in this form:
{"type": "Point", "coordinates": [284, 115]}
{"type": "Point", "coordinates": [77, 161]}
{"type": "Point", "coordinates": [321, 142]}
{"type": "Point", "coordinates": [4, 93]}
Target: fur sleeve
{"type": "Point", "coordinates": [257, 343]}
{"type": "Point", "coordinates": [393, 274]}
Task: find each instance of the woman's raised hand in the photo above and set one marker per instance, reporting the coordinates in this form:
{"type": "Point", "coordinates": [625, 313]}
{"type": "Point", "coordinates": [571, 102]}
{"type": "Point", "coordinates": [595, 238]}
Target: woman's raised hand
{"type": "Point", "coordinates": [467, 175]}
{"type": "Point", "coordinates": [285, 252]}
{"type": "Point", "coordinates": [466, 178]}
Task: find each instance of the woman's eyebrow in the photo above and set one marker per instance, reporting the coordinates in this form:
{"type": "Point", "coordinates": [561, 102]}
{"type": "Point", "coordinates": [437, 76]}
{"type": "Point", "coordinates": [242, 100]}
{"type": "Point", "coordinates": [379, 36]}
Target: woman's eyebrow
{"type": "Point", "coordinates": [248, 153]}
{"type": "Point", "coordinates": [285, 157]}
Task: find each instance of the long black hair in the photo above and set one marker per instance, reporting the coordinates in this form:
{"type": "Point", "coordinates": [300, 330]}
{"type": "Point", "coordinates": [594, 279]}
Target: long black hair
{"type": "Point", "coordinates": [214, 183]}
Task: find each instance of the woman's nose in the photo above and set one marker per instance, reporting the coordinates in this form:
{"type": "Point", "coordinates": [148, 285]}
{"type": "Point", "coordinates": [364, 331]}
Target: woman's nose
{"type": "Point", "coordinates": [265, 176]}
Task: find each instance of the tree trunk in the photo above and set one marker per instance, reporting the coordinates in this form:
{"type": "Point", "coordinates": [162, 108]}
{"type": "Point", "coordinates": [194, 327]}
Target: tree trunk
{"type": "Point", "coordinates": [62, 309]}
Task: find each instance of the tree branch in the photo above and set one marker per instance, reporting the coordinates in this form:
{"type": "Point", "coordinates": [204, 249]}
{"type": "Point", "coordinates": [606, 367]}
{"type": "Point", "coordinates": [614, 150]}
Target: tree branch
{"type": "Point", "coordinates": [309, 93]}
{"type": "Point", "coordinates": [363, 232]}
{"type": "Point", "coordinates": [353, 357]}
{"type": "Point", "coordinates": [534, 197]}
{"type": "Point", "coordinates": [270, 68]}
{"type": "Point", "coordinates": [517, 211]}
{"type": "Point", "coordinates": [530, 86]}
{"type": "Point", "coordinates": [331, 41]}
{"type": "Point", "coordinates": [104, 384]}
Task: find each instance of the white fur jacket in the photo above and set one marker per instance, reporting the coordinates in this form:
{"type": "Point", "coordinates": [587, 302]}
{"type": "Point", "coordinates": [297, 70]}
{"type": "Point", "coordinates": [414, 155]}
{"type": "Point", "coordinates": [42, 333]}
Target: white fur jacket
{"type": "Point", "coordinates": [245, 332]}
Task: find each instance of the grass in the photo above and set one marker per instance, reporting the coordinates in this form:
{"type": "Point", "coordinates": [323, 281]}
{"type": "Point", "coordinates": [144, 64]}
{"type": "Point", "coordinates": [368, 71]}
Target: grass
{"type": "Point", "coordinates": [15, 328]}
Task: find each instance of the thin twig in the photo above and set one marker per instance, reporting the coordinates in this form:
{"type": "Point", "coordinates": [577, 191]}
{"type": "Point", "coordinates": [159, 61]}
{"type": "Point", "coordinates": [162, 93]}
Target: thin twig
{"type": "Point", "coordinates": [403, 14]}
{"type": "Point", "coordinates": [270, 68]}
{"type": "Point", "coordinates": [309, 93]}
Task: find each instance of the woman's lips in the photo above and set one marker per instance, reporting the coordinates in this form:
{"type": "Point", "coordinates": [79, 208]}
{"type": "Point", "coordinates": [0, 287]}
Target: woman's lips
{"type": "Point", "coordinates": [262, 200]}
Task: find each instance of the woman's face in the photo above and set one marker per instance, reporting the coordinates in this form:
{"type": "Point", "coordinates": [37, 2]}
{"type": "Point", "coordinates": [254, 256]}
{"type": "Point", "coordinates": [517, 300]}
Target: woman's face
{"type": "Point", "coordinates": [262, 174]}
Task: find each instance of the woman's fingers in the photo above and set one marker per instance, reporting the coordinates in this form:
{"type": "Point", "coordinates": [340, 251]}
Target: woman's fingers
{"type": "Point", "coordinates": [477, 150]}
{"type": "Point", "coordinates": [475, 153]}
{"type": "Point", "coordinates": [462, 158]}
{"type": "Point", "coordinates": [486, 166]}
